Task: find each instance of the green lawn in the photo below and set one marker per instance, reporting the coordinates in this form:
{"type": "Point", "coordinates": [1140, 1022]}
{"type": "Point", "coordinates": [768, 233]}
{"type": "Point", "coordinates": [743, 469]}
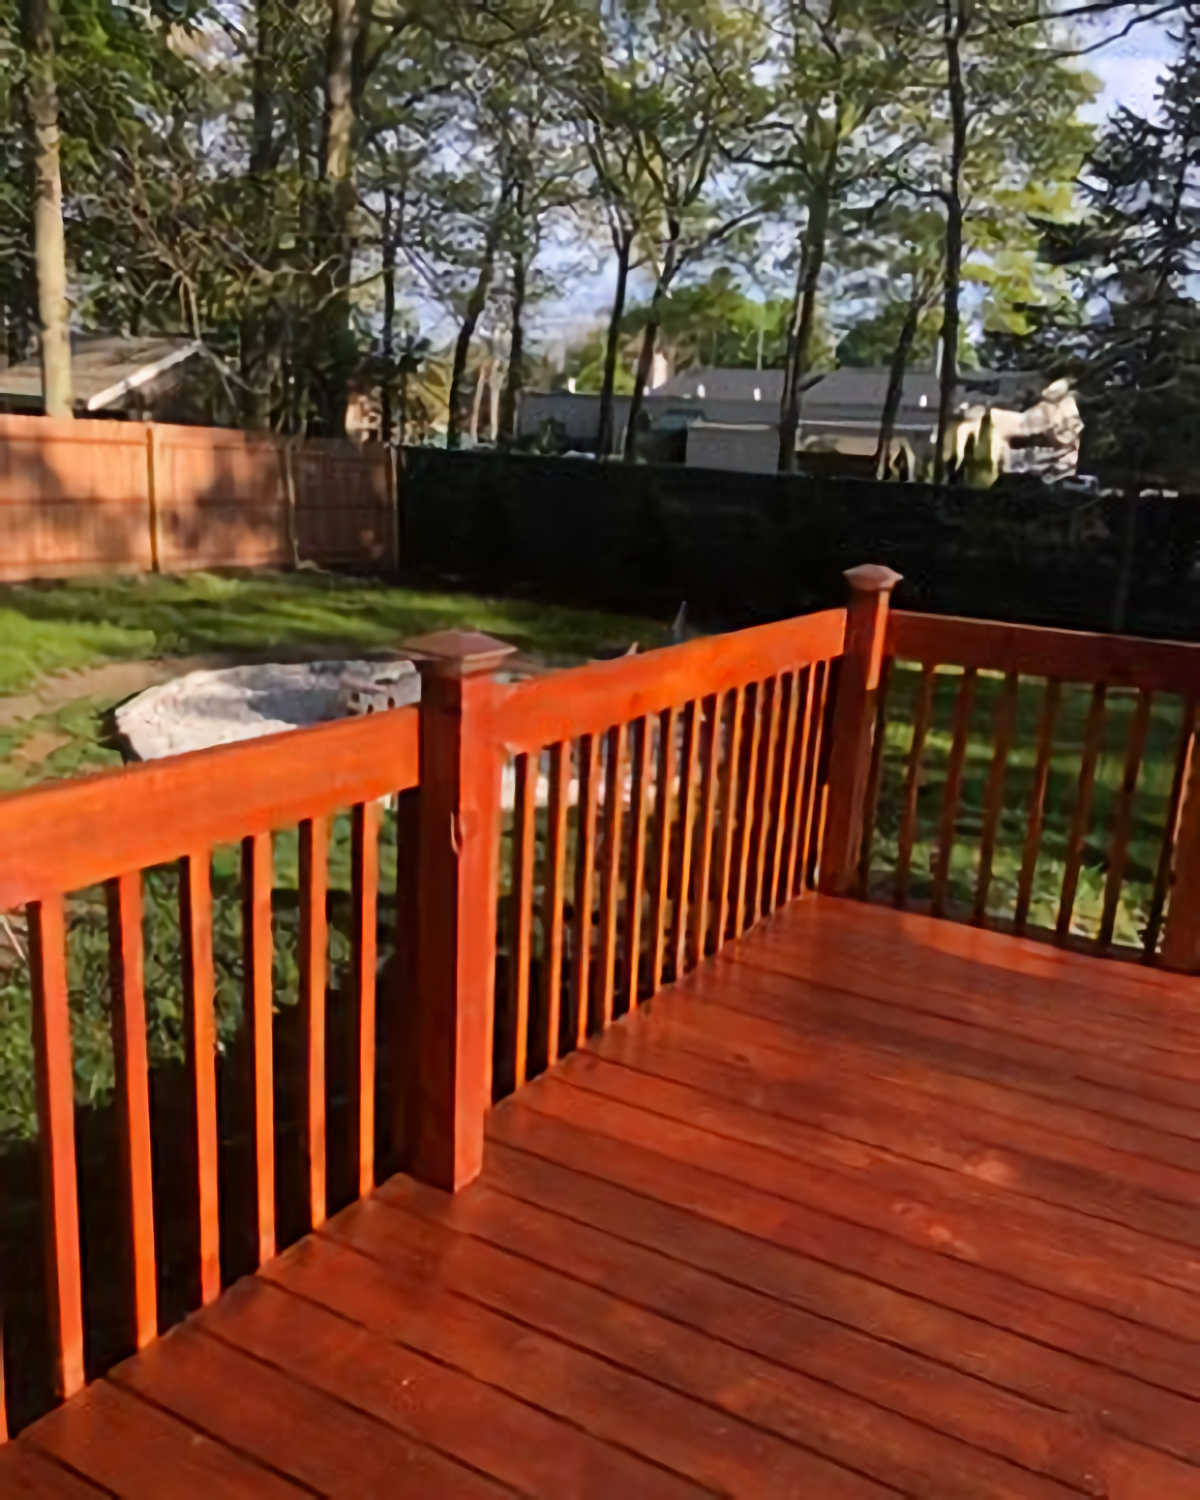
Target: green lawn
{"type": "Point", "coordinates": [59, 627]}
{"type": "Point", "coordinates": [1148, 809]}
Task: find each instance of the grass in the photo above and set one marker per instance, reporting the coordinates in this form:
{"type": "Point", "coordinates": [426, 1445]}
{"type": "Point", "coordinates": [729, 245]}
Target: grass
{"type": "Point", "coordinates": [58, 627]}
{"type": "Point", "coordinates": [1149, 805]}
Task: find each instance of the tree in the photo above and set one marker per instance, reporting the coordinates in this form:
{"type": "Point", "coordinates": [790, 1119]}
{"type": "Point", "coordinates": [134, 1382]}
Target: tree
{"type": "Point", "coordinates": [1008, 114]}
{"type": "Point", "coordinates": [49, 237]}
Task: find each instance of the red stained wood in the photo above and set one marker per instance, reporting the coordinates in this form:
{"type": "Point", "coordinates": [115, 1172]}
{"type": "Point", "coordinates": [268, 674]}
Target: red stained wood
{"type": "Point", "coordinates": [767, 811]}
{"type": "Point", "coordinates": [729, 797]}
{"type": "Point", "coordinates": [585, 879]}
{"type": "Point", "coordinates": [1033, 651]}
{"type": "Point", "coordinates": [195, 926]}
{"type": "Point", "coordinates": [1181, 938]}
{"type": "Point", "coordinates": [1123, 819]}
{"type": "Point", "coordinates": [54, 1077]}
{"type": "Point", "coordinates": [131, 1076]}
{"type": "Point", "coordinates": [587, 700]}
{"type": "Point", "coordinates": [610, 889]}
{"type": "Point", "coordinates": [664, 819]}
{"type": "Point", "coordinates": [1170, 835]}
{"type": "Point", "coordinates": [1035, 816]}
{"type": "Point", "coordinates": [853, 723]}
{"type": "Point", "coordinates": [794, 807]}
{"type": "Point", "coordinates": [314, 946]}
{"type": "Point", "coordinates": [702, 889]}
{"type": "Point", "coordinates": [163, 810]}
{"type": "Point", "coordinates": [364, 900]}
{"type": "Point", "coordinates": [681, 878]}
{"type": "Point", "coordinates": [635, 883]}
{"type": "Point", "coordinates": [456, 933]}
{"type": "Point", "coordinates": [525, 778]}
{"type": "Point", "coordinates": [745, 814]}
{"type": "Point", "coordinates": [780, 798]}
{"type": "Point", "coordinates": [813, 803]}
{"type": "Point", "coordinates": [912, 784]}
{"type": "Point", "coordinates": [1081, 814]}
{"type": "Point", "coordinates": [993, 801]}
{"type": "Point", "coordinates": [553, 887]}
{"type": "Point", "coordinates": [257, 880]}
{"type": "Point", "coordinates": [950, 799]}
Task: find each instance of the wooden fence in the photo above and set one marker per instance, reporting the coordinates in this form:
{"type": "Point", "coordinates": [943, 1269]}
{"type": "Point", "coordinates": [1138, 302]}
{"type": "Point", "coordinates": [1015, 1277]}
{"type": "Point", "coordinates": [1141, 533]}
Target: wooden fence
{"type": "Point", "coordinates": [81, 497]}
{"type": "Point", "coordinates": [661, 805]}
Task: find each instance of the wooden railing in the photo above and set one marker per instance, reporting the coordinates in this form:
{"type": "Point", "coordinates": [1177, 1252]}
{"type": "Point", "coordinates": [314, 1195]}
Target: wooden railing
{"type": "Point", "coordinates": [1030, 779]}
{"type": "Point", "coordinates": [582, 838]}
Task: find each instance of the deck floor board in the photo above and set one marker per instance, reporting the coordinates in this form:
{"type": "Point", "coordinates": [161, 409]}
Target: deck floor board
{"type": "Point", "coordinates": [870, 1205]}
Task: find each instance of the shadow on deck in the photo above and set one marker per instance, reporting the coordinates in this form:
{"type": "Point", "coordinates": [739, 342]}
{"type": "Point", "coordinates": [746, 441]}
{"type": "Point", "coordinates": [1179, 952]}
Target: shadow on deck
{"type": "Point", "coordinates": [868, 1205]}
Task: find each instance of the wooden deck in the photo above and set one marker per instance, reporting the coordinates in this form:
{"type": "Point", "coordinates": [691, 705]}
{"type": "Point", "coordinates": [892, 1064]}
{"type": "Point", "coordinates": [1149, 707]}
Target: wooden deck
{"type": "Point", "coordinates": [868, 1205]}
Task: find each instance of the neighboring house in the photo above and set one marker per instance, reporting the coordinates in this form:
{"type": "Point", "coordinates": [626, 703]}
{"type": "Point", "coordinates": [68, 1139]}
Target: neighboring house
{"type": "Point", "coordinates": [730, 417]}
{"type": "Point", "coordinates": [136, 379]}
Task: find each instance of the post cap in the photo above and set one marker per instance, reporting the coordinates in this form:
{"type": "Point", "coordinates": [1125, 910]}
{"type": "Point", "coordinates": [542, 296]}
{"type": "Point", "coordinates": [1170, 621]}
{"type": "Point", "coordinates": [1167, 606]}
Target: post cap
{"type": "Point", "coordinates": [872, 578]}
{"type": "Point", "coordinates": [456, 653]}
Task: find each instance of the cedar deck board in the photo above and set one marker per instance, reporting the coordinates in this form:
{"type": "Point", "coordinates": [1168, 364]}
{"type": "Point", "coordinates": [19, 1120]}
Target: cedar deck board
{"type": "Point", "coordinates": [775, 1234]}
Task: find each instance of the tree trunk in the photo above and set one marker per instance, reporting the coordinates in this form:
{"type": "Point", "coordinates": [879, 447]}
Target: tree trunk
{"type": "Point", "coordinates": [387, 339]}
{"type": "Point", "coordinates": [605, 432]}
{"type": "Point", "coordinates": [895, 386]}
{"type": "Point", "coordinates": [481, 376]}
{"type": "Point", "coordinates": [476, 302]}
{"type": "Point", "coordinates": [804, 316]}
{"type": "Point", "coordinates": [953, 27]}
{"type": "Point", "coordinates": [649, 338]}
{"type": "Point", "coordinates": [335, 248]}
{"type": "Point", "coordinates": [515, 377]}
{"type": "Point", "coordinates": [259, 334]}
{"type": "Point", "coordinates": [49, 240]}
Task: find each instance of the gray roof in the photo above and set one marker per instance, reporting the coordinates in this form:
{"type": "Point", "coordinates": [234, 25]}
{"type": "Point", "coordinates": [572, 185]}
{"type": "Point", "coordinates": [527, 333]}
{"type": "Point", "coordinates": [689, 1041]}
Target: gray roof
{"type": "Point", "coordinates": [851, 391]}
{"type": "Point", "coordinates": [102, 368]}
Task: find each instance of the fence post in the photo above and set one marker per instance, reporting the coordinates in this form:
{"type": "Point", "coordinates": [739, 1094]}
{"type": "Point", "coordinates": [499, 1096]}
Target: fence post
{"type": "Point", "coordinates": [871, 587]}
{"type": "Point", "coordinates": [153, 475]}
{"type": "Point", "coordinates": [1181, 932]}
{"type": "Point", "coordinates": [457, 839]}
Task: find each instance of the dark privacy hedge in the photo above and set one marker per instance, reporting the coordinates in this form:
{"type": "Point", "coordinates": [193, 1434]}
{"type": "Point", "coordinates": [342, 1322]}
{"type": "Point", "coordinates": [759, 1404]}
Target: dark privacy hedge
{"type": "Point", "coordinates": [742, 548]}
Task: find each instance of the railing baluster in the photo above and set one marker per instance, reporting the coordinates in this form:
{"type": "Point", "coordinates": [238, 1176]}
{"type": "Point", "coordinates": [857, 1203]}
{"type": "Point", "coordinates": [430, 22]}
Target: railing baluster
{"type": "Point", "coordinates": [668, 721]}
{"type": "Point", "coordinates": [746, 817]}
{"type": "Point", "coordinates": [1167, 849]}
{"type": "Point", "coordinates": [766, 794]}
{"type": "Point", "coordinates": [702, 886]}
{"type": "Point", "coordinates": [1006, 712]}
{"type": "Point", "coordinates": [195, 923]}
{"type": "Point", "coordinates": [525, 785]}
{"type": "Point", "coordinates": [729, 794]}
{"type": "Point", "coordinates": [610, 886]}
{"type": "Point", "coordinates": [799, 771]}
{"type": "Point", "coordinates": [585, 875]}
{"type": "Point", "coordinates": [314, 940]}
{"type": "Point", "coordinates": [689, 765]}
{"type": "Point", "coordinates": [1036, 813]}
{"type": "Point", "coordinates": [953, 792]}
{"type": "Point", "coordinates": [131, 1071]}
{"type": "Point", "coordinates": [553, 887]}
{"type": "Point", "coordinates": [257, 875]}
{"type": "Point", "coordinates": [781, 794]}
{"type": "Point", "coordinates": [1083, 807]}
{"type": "Point", "coordinates": [912, 784]}
{"type": "Point", "coordinates": [813, 812]}
{"type": "Point", "coordinates": [635, 895]}
{"type": "Point", "coordinates": [1118, 850]}
{"type": "Point", "coordinates": [364, 902]}
{"type": "Point", "coordinates": [874, 779]}
{"type": "Point", "coordinates": [56, 1139]}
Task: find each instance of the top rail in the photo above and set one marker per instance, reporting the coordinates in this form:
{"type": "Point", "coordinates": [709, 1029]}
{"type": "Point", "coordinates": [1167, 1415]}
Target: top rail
{"type": "Point", "coordinates": [591, 699]}
{"type": "Point", "coordinates": [1032, 650]}
{"type": "Point", "coordinates": [71, 834]}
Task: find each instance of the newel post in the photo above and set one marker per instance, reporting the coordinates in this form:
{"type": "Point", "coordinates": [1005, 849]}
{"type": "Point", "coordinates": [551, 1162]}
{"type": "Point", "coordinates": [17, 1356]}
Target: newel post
{"type": "Point", "coordinates": [871, 588]}
{"type": "Point", "coordinates": [1181, 933]}
{"type": "Point", "coordinates": [458, 824]}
